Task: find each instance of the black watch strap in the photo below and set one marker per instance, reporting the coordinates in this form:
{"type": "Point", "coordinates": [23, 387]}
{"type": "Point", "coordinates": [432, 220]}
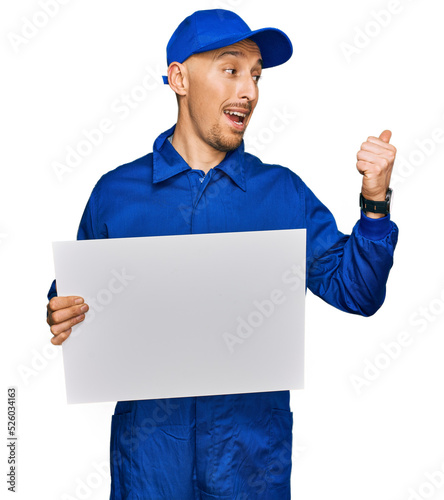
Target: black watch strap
{"type": "Point", "coordinates": [376, 207]}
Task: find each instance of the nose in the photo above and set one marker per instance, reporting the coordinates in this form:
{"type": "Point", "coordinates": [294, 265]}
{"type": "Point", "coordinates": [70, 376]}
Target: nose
{"type": "Point", "coordinates": [247, 88]}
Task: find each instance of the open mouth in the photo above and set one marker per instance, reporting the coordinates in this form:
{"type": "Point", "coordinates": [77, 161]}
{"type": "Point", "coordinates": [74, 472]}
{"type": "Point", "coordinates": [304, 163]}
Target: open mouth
{"type": "Point", "coordinates": [237, 118]}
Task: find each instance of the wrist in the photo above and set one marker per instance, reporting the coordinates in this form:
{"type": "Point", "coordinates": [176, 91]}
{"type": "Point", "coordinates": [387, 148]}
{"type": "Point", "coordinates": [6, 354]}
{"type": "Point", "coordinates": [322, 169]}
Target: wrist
{"type": "Point", "coordinates": [372, 215]}
{"type": "Point", "coordinates": [374, 195]}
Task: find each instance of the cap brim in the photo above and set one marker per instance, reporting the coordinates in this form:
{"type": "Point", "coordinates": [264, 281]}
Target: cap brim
{"type": "Point", "coordinates": [275, 46]}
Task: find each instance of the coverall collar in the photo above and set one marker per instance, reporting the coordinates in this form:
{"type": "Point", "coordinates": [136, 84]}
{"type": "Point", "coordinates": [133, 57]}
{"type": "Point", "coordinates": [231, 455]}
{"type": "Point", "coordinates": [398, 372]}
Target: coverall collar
{"type": "Point", "coordinates": [168, 162]}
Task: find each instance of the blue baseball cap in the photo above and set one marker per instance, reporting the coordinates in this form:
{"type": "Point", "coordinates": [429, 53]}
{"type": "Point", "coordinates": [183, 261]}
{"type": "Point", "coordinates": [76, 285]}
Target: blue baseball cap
{"type": "Point", "coordinates": [216, 28]}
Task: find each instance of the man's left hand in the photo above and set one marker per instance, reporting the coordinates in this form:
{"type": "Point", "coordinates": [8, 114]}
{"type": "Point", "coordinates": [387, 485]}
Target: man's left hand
{"type": "Point", "coordinates": [375, 162]}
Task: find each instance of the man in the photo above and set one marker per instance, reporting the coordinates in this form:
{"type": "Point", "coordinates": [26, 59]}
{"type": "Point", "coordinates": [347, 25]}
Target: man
{"type": "Point", "coordinates": [199, 179]}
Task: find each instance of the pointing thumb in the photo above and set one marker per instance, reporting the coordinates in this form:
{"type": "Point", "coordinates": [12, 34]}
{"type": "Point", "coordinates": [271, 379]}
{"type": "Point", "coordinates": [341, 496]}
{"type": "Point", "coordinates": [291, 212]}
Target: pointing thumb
{"type": "Point", "coordinates": [385, 136]}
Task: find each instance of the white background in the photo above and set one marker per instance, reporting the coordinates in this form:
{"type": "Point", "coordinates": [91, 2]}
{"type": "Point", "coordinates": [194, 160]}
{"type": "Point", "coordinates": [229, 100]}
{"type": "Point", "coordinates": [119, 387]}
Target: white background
{"type": "Point", "coordinates": [384, 441]}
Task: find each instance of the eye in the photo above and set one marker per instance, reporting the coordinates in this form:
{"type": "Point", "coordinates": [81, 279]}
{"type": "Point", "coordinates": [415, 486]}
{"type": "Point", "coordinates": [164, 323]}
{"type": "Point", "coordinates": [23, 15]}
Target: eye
{"type": "Point", "coordinates": [256, 78]}
{"type": "Point", "coordinates": [230, 70]}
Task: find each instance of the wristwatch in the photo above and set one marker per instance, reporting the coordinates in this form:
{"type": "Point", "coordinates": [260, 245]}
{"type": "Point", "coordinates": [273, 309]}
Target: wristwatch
{"type": "Point", "coordinates": [376, 207]}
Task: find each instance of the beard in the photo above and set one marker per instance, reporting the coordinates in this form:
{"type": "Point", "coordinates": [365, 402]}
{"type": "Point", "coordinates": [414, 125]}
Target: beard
{"type": "Point", "coordinates": [224, 142]}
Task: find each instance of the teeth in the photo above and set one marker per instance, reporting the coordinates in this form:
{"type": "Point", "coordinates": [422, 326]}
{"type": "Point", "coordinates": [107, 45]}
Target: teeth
{"type": "Point", "coordinates": [236, 113]}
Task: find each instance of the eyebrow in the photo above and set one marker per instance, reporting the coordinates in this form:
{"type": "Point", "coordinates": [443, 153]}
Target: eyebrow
{"type": "Point", "coordinates": [236, 53]}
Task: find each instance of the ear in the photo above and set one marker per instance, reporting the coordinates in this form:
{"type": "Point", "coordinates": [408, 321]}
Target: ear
{"type": "Point", "coordinates": [177, 78]}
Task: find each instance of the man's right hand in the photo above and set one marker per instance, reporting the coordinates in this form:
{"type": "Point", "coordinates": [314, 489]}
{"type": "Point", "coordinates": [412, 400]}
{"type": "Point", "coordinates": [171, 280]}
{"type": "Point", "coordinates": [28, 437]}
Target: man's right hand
{"type": "Point", "coordinates": [63, 314]}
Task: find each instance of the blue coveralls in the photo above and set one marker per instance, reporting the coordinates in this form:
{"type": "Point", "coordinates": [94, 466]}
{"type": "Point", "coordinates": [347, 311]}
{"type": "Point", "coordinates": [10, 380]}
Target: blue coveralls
{"type": "Point", "coordinates": [231, 446]}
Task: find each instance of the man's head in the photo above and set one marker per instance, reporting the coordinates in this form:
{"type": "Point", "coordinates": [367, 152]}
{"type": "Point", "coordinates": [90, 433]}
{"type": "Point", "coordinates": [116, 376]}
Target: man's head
{"type": "Point", "coordinates": [215, 62]}
{"type": "Point", "coordinates": [217, 92]}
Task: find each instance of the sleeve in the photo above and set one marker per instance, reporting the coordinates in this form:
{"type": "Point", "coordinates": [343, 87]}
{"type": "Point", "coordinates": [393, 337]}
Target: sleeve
{"type": "Point", "coordinates": [52, 291]}
{"type": "Point", "coordinates": [88, 229]}
{"type": "Point", "coordinates": [348, 272]}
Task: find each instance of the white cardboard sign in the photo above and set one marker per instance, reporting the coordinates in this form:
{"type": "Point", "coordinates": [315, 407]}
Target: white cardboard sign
{"type": "Point", "coordinates": [185, 315]}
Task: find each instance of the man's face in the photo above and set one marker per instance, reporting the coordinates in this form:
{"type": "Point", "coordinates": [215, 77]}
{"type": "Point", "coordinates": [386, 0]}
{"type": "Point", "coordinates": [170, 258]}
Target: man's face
{"type": "Point", "coordinates": [223, 92]}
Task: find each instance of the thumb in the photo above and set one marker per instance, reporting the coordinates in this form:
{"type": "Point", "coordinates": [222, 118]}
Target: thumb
{"type": "Point", "coordinates": [385, 136]}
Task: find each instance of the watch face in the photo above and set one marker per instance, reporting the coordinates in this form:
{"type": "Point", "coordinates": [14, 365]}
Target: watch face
{"type": "Point", "coordinates": [389, 199]}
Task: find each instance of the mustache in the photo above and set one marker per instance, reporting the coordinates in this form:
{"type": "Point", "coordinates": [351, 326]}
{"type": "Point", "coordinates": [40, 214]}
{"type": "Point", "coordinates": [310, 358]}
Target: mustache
{"type": "Point", "coordinates": [240, 105]}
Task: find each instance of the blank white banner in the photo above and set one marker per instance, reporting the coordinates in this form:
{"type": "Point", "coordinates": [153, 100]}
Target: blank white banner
{"type": "Point", "coordinates": [185, 315]}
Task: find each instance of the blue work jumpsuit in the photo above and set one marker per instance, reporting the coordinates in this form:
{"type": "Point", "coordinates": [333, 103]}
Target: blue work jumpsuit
{"type": "Point", "coordinates": [226, 447]}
